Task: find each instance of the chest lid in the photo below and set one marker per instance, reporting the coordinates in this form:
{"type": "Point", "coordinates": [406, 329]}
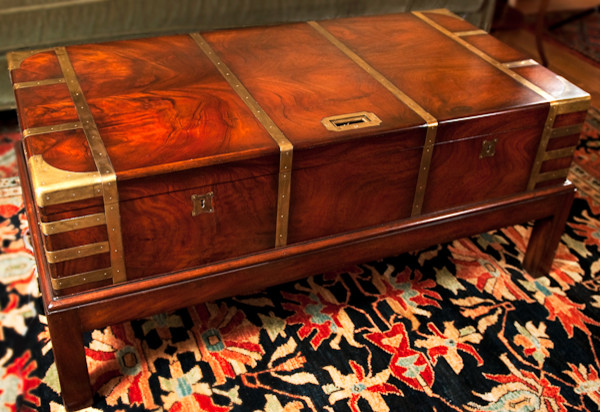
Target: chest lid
{"type": "Point", "coordinates": [123, 110]}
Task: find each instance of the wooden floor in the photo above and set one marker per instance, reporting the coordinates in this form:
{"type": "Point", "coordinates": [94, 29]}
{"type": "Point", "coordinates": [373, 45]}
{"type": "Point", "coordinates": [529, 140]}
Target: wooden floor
{"type": "Point", "coordinates": [561, 61]}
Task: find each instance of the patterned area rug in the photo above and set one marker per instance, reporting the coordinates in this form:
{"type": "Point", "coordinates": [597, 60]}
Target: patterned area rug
{"type": "Point", "coordinates": [581, 34]}
{"type": "Point", "coordinates": [458, 326]}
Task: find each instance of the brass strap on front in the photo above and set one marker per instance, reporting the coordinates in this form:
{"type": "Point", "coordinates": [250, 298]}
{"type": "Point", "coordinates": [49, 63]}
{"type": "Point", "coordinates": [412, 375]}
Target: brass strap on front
{"type": "Point", "coordinates": [285, 146]}
{"type": "Point", "coordinates": [431, 121]}
{"type": "Point", "coordinates": [103, 164]}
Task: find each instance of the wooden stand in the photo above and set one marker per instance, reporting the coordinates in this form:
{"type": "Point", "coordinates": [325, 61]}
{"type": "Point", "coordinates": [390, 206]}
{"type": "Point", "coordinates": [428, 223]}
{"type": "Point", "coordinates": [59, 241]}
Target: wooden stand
{"type": "Point", "coordinates": [69, 316]}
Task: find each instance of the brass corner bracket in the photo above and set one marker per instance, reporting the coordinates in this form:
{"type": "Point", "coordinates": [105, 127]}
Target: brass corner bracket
{"type": "Point", "coordinates": [54, 186]}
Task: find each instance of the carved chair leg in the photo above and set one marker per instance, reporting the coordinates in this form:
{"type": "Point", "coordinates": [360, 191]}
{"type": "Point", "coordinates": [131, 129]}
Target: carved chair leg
{"type": "Point", "coordinates": [69, 356]}
{"type": "Point", "coordinates": [545, 238]}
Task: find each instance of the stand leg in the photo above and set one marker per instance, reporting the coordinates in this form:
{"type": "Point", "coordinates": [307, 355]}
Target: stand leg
{"type": "Point", "coordinates": [69, 355]}
{"type": "Point", "coordinates": [545, 237]}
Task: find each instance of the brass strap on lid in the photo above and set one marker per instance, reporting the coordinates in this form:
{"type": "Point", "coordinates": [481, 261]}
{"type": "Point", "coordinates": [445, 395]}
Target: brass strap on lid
{"type": "Point", "coordinates": [285, 146]}
{"type": "Point", "coordinates": [431, 121]}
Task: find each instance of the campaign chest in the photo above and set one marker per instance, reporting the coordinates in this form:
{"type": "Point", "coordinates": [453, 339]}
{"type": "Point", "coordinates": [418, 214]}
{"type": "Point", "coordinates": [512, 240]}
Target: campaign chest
{"type": "Point", "coordinates": [152, 156]}
{"type": "Point", "coordinates": [195, 166]}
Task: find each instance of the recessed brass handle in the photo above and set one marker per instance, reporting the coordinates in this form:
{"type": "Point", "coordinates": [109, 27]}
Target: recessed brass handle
{"type": "Point", "coordinates": [351, 121]}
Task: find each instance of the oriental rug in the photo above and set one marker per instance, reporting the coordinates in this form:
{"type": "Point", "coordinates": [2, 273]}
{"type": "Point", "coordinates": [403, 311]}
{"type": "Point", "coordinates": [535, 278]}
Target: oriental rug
{"type": "Point", "coordinates": [578, 32]}
{"type": "Point", "coordinates": [455, 327]}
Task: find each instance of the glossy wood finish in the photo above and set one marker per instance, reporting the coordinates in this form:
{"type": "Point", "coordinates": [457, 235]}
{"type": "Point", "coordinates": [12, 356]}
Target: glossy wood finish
{"type": "Point", "coordinates": [71, 315]}
{"type": "Point", "coordinates": [299, 78]}
{"type": "Point", "coordinates": [562, 61]}
{"type": "Point", "coordinates": [459, 175]}
{"type": "Point", "coordinates": [173, 128]}
{"type": "Point", "coordinates": [69, 355]}
{"type": "Point", "coordinates": [451, 82]}
{"type": "Point", "coordinates": [178, 110]}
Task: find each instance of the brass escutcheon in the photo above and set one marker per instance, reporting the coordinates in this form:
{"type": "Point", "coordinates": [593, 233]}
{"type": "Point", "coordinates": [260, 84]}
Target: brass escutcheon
{"type": "Point", "coordinates": [202, 204]}
{"type": "Point", "coordinates": [488, 148]}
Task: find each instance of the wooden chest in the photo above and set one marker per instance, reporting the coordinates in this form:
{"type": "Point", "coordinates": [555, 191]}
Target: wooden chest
{"type": "Point", "coordinates": [153, 156]}
{"type": "Point", "coordinates": [239, 153]}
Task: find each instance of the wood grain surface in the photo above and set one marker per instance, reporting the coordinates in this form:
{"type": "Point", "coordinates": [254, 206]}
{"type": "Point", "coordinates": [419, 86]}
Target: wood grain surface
{"type": "Point", "coordinates": [174, 127]}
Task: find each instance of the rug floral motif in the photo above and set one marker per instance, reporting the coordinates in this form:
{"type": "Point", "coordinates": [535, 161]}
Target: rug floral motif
{"type": "Point", "coordinates": [455, 327]}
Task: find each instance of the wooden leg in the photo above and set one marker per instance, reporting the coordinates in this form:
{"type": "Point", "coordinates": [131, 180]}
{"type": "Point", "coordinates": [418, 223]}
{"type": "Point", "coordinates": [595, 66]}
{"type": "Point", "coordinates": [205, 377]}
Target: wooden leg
{"type": "Point", "coordinates": [69, 355]}
{"type": "Point", "coordinates": [545, 237]}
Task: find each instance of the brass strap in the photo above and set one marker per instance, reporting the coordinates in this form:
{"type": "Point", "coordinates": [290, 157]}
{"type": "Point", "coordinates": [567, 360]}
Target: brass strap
{"type": "Point", "coordinates": [539, 158]}
{"type": "Point", "coordinates": [404, 98]}
{"type": "Point", "coordinates": [560, 153]}
{"type": "Point", "coordinates": [520, 63]}
{"type": "Point", "coordinates": [36, 83]}
{"type": "Point", "coordinates": [285, 146]}
{"type": "Point", "coordinates": [566, 131]}
{"type": "Point", "coordinates": [79, 279]}
{"type": "Point", "coordinates": [484, 56]}
{"type": "Point", "coordinates": [76, 252]}
{"type": "Point", "coordinates": [555, 174]}
{"type": "Point", "coordinates": [76, 223]}
{"type": "Point", "coordinates": [107, 174]}
{"type": "Point", "coordinates": [32, 131]}
{"type": "Point", "coordinates": [470, 33]}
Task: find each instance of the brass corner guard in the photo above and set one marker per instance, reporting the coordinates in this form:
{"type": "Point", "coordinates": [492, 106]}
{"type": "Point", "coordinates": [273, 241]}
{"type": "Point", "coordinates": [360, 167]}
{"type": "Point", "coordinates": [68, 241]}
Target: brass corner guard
{"type": "Point", "coordinates": [15, 58]}
{"type": "Point", "coordinates": [54, 186]}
